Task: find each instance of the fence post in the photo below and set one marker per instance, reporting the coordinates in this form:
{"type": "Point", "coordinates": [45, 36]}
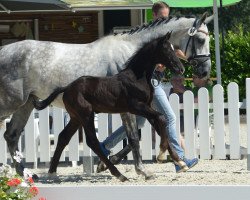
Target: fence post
{"type": "Point", "coordinates": [3, 152]}
{"type": "Point", "coordinates": [31, 140]}
{"type": "Point", "coordinates": [44, 135]}
{"type": "Point", "coordinates": [234, 120]}
{"type": "Point", "coordinates": [190, 151]}
{"type": "Point", "coordinates": [88, 160]}
{"type": "Point", "coordinates": [74, 149]}
{"type": "Point", "coordinates": [102, 126]}
{"type": "Point", "coordinates": [248, 120]}
{"type": "Point", "coordinates": [203, 124]}
{"type": "Point", "coordinates": [116, 123]}
{"type": "Point", "coordinates": [175, 105]}
{"type": "Point", "coordinates": [58, 123]}
{"type": "Point", "coordinates": [219, 135]}
{"type": "Point", "coordinates": [146, 141]}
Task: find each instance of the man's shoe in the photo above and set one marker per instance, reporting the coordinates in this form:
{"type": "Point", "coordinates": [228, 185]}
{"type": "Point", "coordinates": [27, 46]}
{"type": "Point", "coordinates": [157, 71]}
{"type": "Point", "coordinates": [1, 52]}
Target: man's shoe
{"type": "Point", "coordinates": [180, 169]}
{"type": "Point", "coordinates": [189, 164]}
{"type": "Point", "coordinates": [104, 150]}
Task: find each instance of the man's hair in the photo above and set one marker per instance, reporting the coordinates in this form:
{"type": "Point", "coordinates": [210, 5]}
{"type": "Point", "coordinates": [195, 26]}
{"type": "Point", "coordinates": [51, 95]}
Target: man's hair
{"type": "Point", "coordinates": [159, 5]}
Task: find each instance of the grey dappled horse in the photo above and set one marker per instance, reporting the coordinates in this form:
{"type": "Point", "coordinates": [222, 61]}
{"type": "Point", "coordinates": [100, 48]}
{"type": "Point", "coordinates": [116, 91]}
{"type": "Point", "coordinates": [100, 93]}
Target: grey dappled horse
{"type": "Point", "coordinates": [31, 68]}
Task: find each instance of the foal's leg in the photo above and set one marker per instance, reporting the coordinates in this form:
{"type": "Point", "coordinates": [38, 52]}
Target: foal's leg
{"type": "Point", "coordinates": [130, 124]}
{"type": "Point", "coordinates": [82, 110]}
{"type": "Point", "coordinates": [158, 121]}
{"type": "Point", "coordinates": [14, 130]}
{"type": "Point", "coordinates": [114, 159]}
{"type": "Point", "coordinates": [93, 143]}
{"type": "Point", "coordinates": [63, 141]}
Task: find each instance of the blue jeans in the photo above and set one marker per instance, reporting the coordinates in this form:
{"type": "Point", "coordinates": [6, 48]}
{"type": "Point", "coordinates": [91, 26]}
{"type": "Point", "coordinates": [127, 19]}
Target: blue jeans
{"type": "Point", "coordinates": [120, 134]}
{"type": "Point", "coordinates": [161, 104]}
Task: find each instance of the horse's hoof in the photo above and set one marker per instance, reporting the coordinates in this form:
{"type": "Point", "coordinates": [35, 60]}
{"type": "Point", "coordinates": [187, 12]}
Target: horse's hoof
{"type": "Point", "coordinates": [101, 167]}
{"type": "Point", "coordinates": [35, 177]}
{"type": "Point", "coordinates": [52, 175]}
{"type": "Point", "coordinates": [122, 178]}
{"type": "Point", "coordinates": [150, 177]}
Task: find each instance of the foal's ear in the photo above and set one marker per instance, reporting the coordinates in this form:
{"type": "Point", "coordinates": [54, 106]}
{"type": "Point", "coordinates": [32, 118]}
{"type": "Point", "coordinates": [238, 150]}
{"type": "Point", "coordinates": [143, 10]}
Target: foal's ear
{"type": "Point", "coordinates": [168, 35]}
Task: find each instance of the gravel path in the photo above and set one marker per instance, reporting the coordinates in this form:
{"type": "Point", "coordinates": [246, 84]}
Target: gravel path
{"type": "Point", "coordinates": [206, 172]}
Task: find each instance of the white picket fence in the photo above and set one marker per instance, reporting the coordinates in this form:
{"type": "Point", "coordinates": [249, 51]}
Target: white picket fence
{"type": "Point", "coordinates": [37, 141]}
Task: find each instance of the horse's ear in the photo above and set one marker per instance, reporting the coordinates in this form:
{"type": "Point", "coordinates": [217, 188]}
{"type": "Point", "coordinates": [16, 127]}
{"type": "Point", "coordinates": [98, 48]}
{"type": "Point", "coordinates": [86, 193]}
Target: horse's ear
{"type": "Point", "coordinates": [209, 19]}
{"type": "Point", "coordinates": [202, 19]}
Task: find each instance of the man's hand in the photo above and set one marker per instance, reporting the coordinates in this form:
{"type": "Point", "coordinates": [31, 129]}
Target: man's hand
{"type": "Point", "coordinates": [179, 53]}
{"type": "Point", "coordinates": [160, 67]}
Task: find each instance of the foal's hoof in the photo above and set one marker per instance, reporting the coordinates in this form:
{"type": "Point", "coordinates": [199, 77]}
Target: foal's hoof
{"type": "Point", "coordinates": [122, 178]}
{"type": "Point", "coordinates": [101, 167]}
{"type": "Point", "coordinates": [115, 159]}
{"type": "Point", "coordinates": [147, 174]}
{"type": "Point", "coordinates": [161, 158]}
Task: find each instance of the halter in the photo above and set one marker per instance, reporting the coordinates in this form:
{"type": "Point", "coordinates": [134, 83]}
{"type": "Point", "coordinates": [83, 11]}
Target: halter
{"type": "Point", "coordinates": [195, 60]}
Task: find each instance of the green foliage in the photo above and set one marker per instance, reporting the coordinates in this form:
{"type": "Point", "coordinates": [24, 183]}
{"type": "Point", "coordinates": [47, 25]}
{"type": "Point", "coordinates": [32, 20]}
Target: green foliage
{"type": "Point", "coordinates": [236, 66]}
{"type": "Point", "coordinates": [236, 56]}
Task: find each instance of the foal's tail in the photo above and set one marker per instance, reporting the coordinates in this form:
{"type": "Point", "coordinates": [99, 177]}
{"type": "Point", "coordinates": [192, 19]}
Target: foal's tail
{"type": "Point", "coordinates": [40, 105]}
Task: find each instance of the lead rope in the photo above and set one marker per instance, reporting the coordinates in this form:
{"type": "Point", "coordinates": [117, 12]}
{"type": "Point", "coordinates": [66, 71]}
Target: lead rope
{"type": "Point", "coordinates": [156, 77]}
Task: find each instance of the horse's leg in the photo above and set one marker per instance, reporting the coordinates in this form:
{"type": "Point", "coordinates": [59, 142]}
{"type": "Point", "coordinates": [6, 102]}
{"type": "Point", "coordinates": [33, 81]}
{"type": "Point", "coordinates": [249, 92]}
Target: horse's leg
{"type": "Point", "coordinates": [63, 140]}
{"type": "Point", "coordinates": [129, 121]}
{"type": "Point", "coordinates": [14, 130]}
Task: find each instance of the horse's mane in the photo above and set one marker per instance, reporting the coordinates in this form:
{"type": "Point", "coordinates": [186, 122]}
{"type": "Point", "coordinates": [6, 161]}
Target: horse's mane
{"type": "Point", "coordinates": [153, 23]}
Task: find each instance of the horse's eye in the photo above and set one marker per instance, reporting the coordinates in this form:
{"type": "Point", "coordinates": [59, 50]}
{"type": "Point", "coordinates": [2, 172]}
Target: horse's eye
{"type": "Point", "coordinates": [201, 40]}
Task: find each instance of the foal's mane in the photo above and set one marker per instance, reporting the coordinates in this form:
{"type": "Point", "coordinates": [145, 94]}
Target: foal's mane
{"type": "Point", "coordinates": [140, 53]}
{"type": "Point", "coordinates": [152, 24]}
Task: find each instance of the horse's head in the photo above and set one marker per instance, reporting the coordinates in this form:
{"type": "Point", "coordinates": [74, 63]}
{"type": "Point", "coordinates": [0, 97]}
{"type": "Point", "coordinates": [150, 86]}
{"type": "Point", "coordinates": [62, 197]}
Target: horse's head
{"type": "Point", "coordinates": [165, 55]}
{"type": "Point", "coordinates": [195, 46]}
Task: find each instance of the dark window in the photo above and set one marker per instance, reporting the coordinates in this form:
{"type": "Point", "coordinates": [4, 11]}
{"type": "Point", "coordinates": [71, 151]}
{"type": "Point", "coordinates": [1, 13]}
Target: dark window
{"type": "Point", "coordinates": [114, 18]}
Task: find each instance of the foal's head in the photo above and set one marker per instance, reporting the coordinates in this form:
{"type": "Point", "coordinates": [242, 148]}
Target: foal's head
{"type": "Point", "coordinates": [165, 54]}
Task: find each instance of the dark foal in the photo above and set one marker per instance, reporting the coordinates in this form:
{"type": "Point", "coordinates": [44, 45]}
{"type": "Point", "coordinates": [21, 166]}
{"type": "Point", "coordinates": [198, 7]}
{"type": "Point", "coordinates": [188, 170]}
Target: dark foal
{"type": "Point", "coordinates": [129, 91]}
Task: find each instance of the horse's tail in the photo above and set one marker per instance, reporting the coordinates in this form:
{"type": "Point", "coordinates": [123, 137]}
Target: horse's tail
{"type": "Point", "coordinates": [2, 124]}
{"type": "Point", "coordinates": [39, 105]}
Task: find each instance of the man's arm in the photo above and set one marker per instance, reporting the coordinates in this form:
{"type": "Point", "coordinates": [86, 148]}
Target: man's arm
{"type": "Point", "coordinates": [180, 54]}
